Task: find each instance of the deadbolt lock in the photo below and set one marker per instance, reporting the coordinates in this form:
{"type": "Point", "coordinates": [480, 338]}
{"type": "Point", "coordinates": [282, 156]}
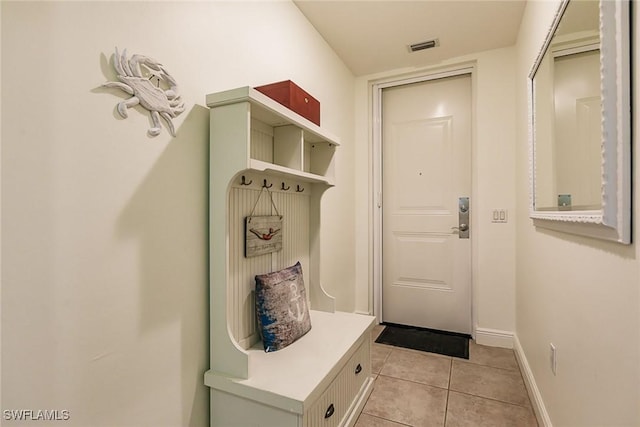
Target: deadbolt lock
{"type": "Point", "coordinates": [463, 218]}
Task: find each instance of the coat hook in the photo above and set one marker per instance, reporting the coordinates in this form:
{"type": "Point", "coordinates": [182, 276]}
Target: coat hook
{"type": "Point", "coordinates": [264, 184]}
{"type": "Point", "coordinates": [244, 182]}
{"type": "Point", "coordinates": [299, 189]}
{"type": "Point", "coordinates": [283, 188]}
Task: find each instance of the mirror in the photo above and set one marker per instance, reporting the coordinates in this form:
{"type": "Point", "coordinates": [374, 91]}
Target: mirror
{"type": "Point", "coordinates": [579, 99]}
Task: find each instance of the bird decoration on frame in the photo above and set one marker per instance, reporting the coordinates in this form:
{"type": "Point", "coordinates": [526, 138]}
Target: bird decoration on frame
{"type": "Point", "coordinates": [263, 235]}
{"type": "Point", "coordinates": [137, 76]}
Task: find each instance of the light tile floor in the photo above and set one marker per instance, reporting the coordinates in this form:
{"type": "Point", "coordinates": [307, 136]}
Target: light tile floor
{"type": "Point", "coordinates": [414, 388]}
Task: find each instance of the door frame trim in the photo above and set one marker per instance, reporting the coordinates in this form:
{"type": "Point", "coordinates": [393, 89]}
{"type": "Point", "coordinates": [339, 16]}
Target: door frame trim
{"type": "Point", "coordinates": [376, 87]}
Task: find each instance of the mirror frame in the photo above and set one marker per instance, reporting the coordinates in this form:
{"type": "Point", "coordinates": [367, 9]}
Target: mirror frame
{"type": "Point", "coordinates": [613, 220]}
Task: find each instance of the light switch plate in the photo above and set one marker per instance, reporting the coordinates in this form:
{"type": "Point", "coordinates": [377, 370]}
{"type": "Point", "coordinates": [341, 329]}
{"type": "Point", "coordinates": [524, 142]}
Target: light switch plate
{"type": "Point", "coordinates": [499, 216]}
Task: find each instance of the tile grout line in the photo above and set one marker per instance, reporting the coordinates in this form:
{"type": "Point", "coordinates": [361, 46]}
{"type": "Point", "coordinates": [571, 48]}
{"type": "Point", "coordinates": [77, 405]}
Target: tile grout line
{"type": "Point", "coordinates": [413, 382]}
{"type": "Point", "coordinates": [391, 421]}
{"type": "Point", "coordinates": [446, 407]}
{"type": "Point", "coordinates": [516, 369]}
{"type": "Point", "coordinates": [492, 399]}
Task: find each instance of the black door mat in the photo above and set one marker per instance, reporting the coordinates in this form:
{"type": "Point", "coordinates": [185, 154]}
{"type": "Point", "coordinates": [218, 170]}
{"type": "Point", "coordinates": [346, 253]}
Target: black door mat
{"type": "Point", "coordinates": [431, 340]}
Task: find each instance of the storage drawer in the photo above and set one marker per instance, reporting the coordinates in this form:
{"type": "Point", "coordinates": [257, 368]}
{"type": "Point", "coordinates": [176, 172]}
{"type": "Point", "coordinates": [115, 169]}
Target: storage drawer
{"type": "Point", "coordinates": [360, 366]}
{"type": "Point", "coordinates": [331, 407]}
{"type": "Point", "coordinates": [294, 98]}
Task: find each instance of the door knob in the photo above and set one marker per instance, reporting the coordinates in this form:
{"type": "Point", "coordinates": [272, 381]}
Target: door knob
{"type": "Point", "coordinates": [463, 227]}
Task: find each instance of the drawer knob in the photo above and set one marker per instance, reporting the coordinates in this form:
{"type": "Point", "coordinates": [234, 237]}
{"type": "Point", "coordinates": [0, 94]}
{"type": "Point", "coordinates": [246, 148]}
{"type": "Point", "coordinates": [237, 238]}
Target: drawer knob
{"type": "Point", "coordinates": [358, 369]}
{"type": "Point", "coordinates": [330, 411]}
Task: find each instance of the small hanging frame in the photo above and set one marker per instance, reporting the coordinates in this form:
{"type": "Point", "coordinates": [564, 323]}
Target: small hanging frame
{"type": "Point", "coordinates": [263, 234]}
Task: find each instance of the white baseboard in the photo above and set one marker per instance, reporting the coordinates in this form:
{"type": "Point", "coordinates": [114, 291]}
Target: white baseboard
{"type": "Point", "coordinates": [494, 337]}
{"type": "Point", "coordinates": [534, 393]}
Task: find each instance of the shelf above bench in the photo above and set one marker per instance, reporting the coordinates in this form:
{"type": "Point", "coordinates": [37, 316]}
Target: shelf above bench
{"type": "Point", "coordinates": [259, 165]}
{"type": "Point", "coordinates": [270, 137]}
{"type": "Point", "coordinates": [271, 112]}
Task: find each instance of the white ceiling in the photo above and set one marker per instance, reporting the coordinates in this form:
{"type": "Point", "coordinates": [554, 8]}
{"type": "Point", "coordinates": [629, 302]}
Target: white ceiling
{"type": "Point", "coordinates": [373, 36]}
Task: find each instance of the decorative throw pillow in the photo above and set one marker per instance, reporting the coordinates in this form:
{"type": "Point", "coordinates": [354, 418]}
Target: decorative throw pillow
{"type": "Point", "coordinates": [281, 307]}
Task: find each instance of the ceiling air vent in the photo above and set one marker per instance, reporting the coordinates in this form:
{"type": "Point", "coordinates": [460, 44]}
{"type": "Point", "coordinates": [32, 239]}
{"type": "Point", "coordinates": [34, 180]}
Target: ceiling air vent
{"type": "Point", "coordinates": [424, 45]}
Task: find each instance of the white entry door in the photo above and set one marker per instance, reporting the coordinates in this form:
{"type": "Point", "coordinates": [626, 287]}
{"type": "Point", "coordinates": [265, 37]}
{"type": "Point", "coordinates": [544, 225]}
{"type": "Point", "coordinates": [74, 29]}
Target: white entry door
{"type": "Point", "coordinates": [426, 149]}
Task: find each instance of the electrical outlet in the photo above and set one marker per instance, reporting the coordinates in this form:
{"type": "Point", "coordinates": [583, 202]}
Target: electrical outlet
{"type": "Point", "coordinates": [553, 358]}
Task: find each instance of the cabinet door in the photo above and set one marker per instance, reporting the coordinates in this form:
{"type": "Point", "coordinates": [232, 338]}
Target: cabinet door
{"type": "Point", "coordinates": [333, 404]}
{"type": "Point", "coordinates": [359, 367]}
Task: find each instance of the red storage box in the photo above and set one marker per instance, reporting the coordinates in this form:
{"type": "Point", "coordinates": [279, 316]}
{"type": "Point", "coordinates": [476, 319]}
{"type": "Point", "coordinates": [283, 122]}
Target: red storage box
{"type": "Point", "coordinates": [294, 98]}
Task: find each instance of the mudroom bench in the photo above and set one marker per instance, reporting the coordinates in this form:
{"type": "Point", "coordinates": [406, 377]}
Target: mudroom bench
{"type": "Point", "coordinates": [322, 379]}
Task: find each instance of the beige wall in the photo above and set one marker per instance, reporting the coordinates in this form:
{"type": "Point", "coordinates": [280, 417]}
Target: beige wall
{"type": "Point", "coordinates": [581, 294]}
{"type": "Point", "coordinates": [104, 229]}
{"type": "Point", "coordinates": [493, 150]}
